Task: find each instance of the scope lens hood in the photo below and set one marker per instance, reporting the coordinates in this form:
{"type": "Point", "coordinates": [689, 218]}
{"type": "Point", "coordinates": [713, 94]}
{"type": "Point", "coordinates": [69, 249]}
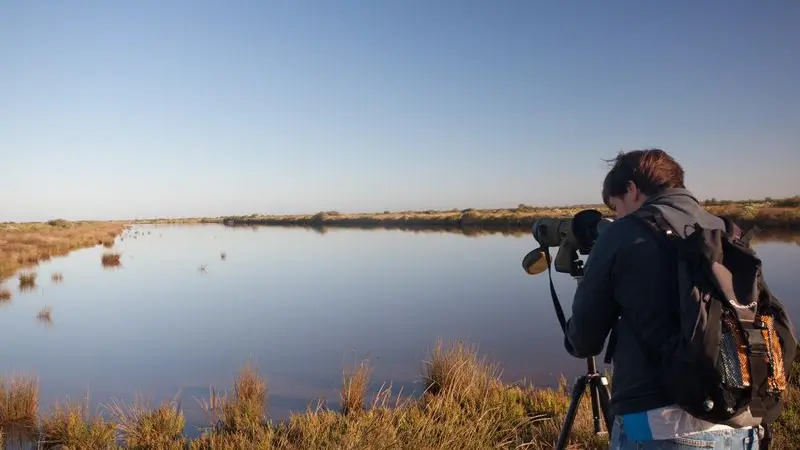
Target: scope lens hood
{"type": "Point", "coordinates": [584, 228]}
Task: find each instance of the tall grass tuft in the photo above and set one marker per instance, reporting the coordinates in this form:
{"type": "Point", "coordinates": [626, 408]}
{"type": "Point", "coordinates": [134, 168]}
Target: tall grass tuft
{"type": "Point", "coordinates": [69, 426]}
{"type": "Point", "coordinates": [354, 389]}
{"type": "Point", "coordinates": [111, 259]}
{"type": "Point", "coordinates": [458, 370]}
{"type": "Point", "coordinates": [5, 295]}
{"type": "Point", "coordinates": [19, 400]}
{"type": "Point", "coordinates": [27, 281]}
{"type": "Point", "coordinates": [145, 428]}
{"type": "Point", "coordinates": [244, 413]}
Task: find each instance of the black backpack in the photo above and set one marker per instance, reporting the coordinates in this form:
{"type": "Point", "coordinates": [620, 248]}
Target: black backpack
{"type": "Point", "coordinates": [730, 362]}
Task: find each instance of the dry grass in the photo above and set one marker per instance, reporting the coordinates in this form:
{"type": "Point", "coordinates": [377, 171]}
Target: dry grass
{"type": "Point", "coordinates": [57, 277]}
{"type": "Point", "coordinates": [111, 259]}
{"type": "Point", "coordinates": [5, 295]}
{"type": "Point", "coordinates": [245, 411]}
{"type": "Point", "coordinates": [354, 389]}
{"type": "Point", "coordinates": [465, 405]}
{"type": "Point", "coordinates": [144, 428]}
{"type": "Point", "coordinates": [24, 245]}
{"type": "Point", "coordinates": [27, 281]}
{"type": "Point", "coordinates": [19, 400]}
{"type": "Point", "coordinates": [69, 426]}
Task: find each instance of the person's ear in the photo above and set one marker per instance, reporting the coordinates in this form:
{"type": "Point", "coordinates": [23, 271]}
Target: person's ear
{"type": "Point", "coordinates": [632, 189]}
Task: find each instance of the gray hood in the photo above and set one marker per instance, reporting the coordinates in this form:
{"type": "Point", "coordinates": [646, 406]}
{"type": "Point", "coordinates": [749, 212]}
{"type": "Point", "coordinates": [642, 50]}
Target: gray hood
{"type": "Point", "coordinates": [682, 210]}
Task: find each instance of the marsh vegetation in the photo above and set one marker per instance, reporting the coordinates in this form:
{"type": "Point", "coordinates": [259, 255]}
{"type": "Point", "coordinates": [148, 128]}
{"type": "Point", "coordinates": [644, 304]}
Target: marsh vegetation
{"type": "Point", "coordinates": [25, 245]}
{"type": "Point", "coordinates": [464, 405]}
{"type": "Point", "coordinates": [111, 259]}
{"type": "Point", "coordinates": [767, 214]}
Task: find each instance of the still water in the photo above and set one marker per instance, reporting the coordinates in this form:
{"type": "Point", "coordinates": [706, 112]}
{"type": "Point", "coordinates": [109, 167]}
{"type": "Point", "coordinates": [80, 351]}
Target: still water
{"type": "Point", "coordinates": [299, 304]}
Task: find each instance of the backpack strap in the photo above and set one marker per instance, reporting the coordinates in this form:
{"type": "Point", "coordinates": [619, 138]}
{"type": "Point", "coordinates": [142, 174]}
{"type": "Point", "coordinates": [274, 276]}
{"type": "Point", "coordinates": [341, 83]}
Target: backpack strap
{"type": "Point", "coordinates": [651, 219]}
{"type": "Point", "coordinates": [736, 233]}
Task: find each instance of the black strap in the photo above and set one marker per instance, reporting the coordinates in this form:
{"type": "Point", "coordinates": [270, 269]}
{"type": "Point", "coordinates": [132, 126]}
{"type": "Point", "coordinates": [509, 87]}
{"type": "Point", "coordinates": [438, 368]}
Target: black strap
{"type": "Point", "coordinates": [559, 312]}
{"type": "Point", "coordinates": [766, 440]}
{"type": "Point", "coordinates": [612, 344]}
{"type": "Point", "coordinates": [759, 368]}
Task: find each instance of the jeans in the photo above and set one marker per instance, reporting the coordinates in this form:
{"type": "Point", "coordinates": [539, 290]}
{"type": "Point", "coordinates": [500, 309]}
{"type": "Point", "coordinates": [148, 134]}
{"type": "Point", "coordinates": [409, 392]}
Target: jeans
{"type": "Point", "coordinates": [736, 439]}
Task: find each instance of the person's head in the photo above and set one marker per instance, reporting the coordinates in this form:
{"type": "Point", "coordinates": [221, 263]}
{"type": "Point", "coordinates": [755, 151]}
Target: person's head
{"type": "Point", "coordinates": [637, 175]}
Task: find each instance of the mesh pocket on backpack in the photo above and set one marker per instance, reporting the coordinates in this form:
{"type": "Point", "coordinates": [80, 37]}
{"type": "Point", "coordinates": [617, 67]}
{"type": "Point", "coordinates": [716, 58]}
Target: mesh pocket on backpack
{"type": "Point", "coordinates": [777, 376]}
{"type": "Point", "coordinates": [733, 364]}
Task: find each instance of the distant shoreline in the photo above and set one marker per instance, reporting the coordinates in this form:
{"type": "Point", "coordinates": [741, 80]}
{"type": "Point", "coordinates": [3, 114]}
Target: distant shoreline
{"type": "Point", "coordinates": [769, 215]}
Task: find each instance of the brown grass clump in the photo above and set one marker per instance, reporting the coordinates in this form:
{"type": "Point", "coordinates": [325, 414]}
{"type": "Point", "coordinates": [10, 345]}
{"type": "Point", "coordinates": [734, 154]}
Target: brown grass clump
{"type": "Point", "coordinates": [457, 370]}
{"type": "Point", "coordinates": [27, 281]}
{"type": "Point", "coordinates": [24, 245]}
{"type": "Point", "coordinates": [19, 400]}
{"type": "Point", "coordinates": [57, 277]}
{"type": "Point", "coordinates": [111, 259]}
{"type": "Point", "coordinates": [354, 389]}
{"type": "Point", "coordinates": [245, 412]}
{"type": "Point", "coordinates": [144, 428]}
{"type": "Point", "coordinates": [70, 427]}
{"type": "Point", "coordinates": [5, 295]}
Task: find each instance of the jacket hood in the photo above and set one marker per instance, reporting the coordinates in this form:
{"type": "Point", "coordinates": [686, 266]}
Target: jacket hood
{"type": "Point", "coordinates": [682, 211]}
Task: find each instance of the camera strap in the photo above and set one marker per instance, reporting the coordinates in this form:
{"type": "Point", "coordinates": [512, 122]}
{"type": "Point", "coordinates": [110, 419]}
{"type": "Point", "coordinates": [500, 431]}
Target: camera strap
{"type": "Point", "coordinates": [556, 304]}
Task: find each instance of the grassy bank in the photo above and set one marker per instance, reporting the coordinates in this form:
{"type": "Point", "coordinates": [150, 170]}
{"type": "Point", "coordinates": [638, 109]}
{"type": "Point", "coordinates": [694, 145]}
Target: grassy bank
{"type": "Point", "coordinates": [25, 245]}
{"type": "Point", "coordinates": [768, 214]}
{"type": "Point", "coordinates": [465, 405]}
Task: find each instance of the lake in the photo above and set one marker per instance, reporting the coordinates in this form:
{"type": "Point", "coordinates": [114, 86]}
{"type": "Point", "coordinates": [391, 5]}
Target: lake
{"type": "Point", "coordinates": [298, 303]}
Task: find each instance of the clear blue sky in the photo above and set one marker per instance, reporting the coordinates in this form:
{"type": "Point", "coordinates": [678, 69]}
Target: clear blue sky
{"type": "Point", "coordinates": [194, 108]}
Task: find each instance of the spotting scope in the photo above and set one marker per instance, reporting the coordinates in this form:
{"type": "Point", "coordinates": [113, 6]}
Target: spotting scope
{"type": "Point", "coordinates": [572, 236]}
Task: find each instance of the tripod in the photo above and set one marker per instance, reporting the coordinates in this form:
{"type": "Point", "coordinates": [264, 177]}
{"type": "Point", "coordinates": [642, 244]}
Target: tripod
{"type": "Point", "coordinates": [598, 391]}
{"type": "Point", "coordinates": [597, 383]}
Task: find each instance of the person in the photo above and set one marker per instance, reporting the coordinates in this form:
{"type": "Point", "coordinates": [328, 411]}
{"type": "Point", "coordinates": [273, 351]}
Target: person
{"type": "Point", "coordinates": [627, 271]}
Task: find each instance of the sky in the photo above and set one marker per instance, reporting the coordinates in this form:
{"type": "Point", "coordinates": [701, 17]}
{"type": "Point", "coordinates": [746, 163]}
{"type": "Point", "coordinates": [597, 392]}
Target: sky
{"type": "Point", "coordinates": [116, 110]}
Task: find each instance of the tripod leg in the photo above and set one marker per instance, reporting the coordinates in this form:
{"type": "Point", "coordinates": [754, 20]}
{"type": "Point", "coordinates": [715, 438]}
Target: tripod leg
{"type": "Point", "coordinates": [594, 392]}
{"type": "Point", "coordinates": [577, 392]}
{"type": "Point", "coordinates": [602, 390]}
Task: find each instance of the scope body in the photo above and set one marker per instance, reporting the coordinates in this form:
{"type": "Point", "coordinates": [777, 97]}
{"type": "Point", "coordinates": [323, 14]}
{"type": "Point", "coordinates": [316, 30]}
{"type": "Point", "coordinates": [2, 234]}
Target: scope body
{"type": "Point", "coordinates": [572, 236]}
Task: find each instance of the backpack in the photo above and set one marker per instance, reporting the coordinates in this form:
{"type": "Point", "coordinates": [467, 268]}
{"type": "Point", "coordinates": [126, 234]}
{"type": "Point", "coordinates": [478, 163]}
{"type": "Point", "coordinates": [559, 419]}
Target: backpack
{"type": "Point", "coordinates": [731, 360]}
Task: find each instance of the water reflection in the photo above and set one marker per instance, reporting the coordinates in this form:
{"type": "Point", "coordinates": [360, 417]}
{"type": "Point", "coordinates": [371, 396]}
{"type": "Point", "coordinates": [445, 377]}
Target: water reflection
{"type": "Point", "coordinates": [297, 303]}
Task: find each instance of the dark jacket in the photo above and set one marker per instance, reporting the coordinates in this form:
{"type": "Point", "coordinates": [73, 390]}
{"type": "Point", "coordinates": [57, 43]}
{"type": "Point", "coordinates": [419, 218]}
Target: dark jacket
{"type": "Point", "coordinates": [627, 273]}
